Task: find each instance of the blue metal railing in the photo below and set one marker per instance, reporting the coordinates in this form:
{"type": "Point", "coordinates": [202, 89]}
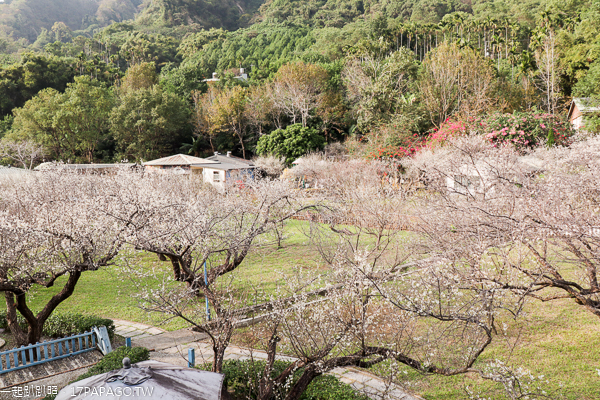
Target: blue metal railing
{"type": "Point", "coordinates": [39, 353]}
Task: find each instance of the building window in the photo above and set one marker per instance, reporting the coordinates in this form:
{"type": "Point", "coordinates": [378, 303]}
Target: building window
{"type": "Point", "coordinates": [461, 183]}
{"type": "Point", "coordinates": [467, 185]}
{"type": "Point", "coordinates": [216, 176]}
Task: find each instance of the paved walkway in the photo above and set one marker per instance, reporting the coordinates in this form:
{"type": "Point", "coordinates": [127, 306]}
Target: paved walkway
{"type": "Point", "coordinates": [172, 347]}
{"type": "Point", "coordinates": [135, 329]}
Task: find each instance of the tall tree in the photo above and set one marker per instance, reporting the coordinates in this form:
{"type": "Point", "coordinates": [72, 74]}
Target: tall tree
{"type": "Point", "coordinates": [70, 125]}
{"type": "Point", "coordinates": [231, 115]}
{"type": "Point", "coordinates": [547, 59]}
{"type": "Point", "coordinates": [455, 80]}
{"type": "Point", "coordinates": [374, 81]}
{"type": "Point", "coordinates": [57, 225]}
{"type": "Point", "coordinates": [139, 76]}
{"type": "Point", "coordinates": [149, 123]}
{"type": "Point", "coordinates": [297, 89]}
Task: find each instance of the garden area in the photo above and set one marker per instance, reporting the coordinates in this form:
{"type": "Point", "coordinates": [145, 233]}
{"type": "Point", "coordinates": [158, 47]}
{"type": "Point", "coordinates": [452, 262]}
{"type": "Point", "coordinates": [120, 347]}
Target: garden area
{"type": "Point", "coordinates": [473, 275]}
{"type": "Point", "coordinates": [418, 198]}
{"type": "Point", "coordinates": [561, 336]}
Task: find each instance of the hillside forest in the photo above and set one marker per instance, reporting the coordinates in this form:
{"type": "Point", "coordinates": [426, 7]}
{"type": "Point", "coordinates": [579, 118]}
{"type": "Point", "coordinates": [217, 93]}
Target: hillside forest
{"type": "Point", "coordinates": [110, 80]}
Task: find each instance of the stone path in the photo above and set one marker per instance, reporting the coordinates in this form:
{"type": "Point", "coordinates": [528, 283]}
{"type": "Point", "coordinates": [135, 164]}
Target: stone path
{"type": "Point", "coordinates": [135, 329]}
{"type": "Point", "coordinates": [172, 347]}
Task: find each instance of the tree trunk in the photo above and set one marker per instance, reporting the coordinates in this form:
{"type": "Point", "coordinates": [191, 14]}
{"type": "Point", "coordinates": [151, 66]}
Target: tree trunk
{"type": "Point", "coordinates": [242, 144]}
{"type": "Point", "coordinates": [265, 386]}
{"type": "Point", "coordinates": [300, 386]}
{"type": "Point", "coordinates": [182, 273]}
{"type": "Point", "coordinates": [22, 338]}
{"type": "Point", "coordinates": [35, 323]}
{"type": "Point", "coordinates": [219, 356]}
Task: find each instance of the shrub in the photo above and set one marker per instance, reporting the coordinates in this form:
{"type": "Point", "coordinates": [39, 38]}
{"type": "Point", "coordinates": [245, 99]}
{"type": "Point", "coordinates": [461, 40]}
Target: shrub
{"type": "Point", "coordinates": [388, 141]}
{"type": "Point", "coordinates": [520, 129]}
{"type": "Point", "coordinates": [59, 325]}
{"type": "Point", "coordinates": [291, 142]}
{"type": "Point", "coordinates": [449, 128]}
{"type": "Point", "coordinates": [242, 377]}
{"type": "Point", "coordinates": [525, 129]}
{"type": "Point", "coordinates": [114, 360]}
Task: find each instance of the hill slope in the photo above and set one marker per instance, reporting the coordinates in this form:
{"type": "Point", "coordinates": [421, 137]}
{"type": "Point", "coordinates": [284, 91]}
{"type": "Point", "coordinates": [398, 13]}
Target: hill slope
{"type": "Point", "coordinates": [27, 18]}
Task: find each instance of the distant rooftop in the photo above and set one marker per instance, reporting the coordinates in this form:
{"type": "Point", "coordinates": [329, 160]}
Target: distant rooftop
{"type": "Point", "coordinates": [229, 159]}
{"type": "Point", "coordinates": [179, 160]}
{"type": "Point", "coordinates": [12, 171]}
{"type": "Point", "coordinates": [224, 166]}
{"type": "Point", "coordinates": [53, 165]}
{"type": "Point", "coordinates": [242, 75]}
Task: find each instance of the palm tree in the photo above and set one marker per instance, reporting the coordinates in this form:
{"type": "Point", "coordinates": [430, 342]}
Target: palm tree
{"type": "Point", "coordinates": [409, 32]}
{"type": "Point", "coordinates": [489, 24]}
{"type": "Point", "coordinates": [506, 23]}
{"type": "Point", "coordinates": [496, 42]}
{"type": "Point", "coordinates": [81, 58]}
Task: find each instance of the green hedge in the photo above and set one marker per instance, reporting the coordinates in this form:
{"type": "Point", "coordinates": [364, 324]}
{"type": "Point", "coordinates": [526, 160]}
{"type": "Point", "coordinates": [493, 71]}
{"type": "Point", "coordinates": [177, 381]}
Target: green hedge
{"type": "Point", "coordinates": [242, 377]}
{"type": "Point", "coordinates": [66, 324]}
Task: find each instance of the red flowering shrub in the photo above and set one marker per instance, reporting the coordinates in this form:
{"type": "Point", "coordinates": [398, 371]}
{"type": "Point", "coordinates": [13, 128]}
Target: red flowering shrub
{"type": "Point", "coordinates": [390, 141]}
{"type": "Point", "coordinates": [522, 130]}
{"type": "Point", "coordinates": [525, 129]}
{"type": "Point", "coordinates": [448, 129]}
{"type": "Point", "coordinates": [393, 152]}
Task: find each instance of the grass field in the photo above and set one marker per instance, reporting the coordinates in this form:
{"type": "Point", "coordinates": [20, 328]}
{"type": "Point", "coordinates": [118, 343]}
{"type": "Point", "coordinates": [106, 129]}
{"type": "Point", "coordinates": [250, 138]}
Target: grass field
{"type": "Point", "coordinates": [558, 340]}
{"type": "Point", "coordinates": [110, 293]}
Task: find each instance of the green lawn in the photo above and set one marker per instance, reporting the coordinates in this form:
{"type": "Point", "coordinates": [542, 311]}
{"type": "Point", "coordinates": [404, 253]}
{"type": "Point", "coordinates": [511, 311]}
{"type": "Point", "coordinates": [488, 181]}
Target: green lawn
{"type": "Point", "coordinates": [559, 341]}
{"type": "Point", "coordinates": [110, 293]}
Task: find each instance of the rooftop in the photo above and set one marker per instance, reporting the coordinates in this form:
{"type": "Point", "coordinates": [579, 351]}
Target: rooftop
{"type": "Point", "coordinates": [12, 171]}
{"type": "Point", "coordinates": [229, 159]}
{"type": "Point", "coordinates": [585, 105]}
{"type": "Point", "coordinates": [52, 165]}
{"type": "Point", "coordinates": [224, 166]}
{"type": "Point", "coordinates": [178, 160]}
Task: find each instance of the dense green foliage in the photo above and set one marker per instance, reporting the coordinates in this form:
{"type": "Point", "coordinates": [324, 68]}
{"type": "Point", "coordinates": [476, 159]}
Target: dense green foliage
{"type": "Point", "coordinates": [395, 70]}
{"type": "Point", "coordinates": [588, 85]}
{"type": "Point", "coordinates": [148, 123]}
{"type": "Point", "coordinates": [242, 378]}
{"type": "Point", "coordinates": [291, 142]}
{"type": "Point", "coordinates": [72, 125]}
{"type": "Point", "coordinates": [21, 81]}
{"type": "Point", "coordinates": [66, 324]}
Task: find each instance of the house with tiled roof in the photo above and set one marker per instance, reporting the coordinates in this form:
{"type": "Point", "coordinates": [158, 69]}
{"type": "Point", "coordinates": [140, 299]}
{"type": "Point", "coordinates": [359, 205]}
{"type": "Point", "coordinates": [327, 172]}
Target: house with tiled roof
{"type": "Point", "coordinates": [177, 164]}
{"type": "Point", "coordinates": [215, 170]}
{"type": "Point", "coordinates": [225, 168]}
